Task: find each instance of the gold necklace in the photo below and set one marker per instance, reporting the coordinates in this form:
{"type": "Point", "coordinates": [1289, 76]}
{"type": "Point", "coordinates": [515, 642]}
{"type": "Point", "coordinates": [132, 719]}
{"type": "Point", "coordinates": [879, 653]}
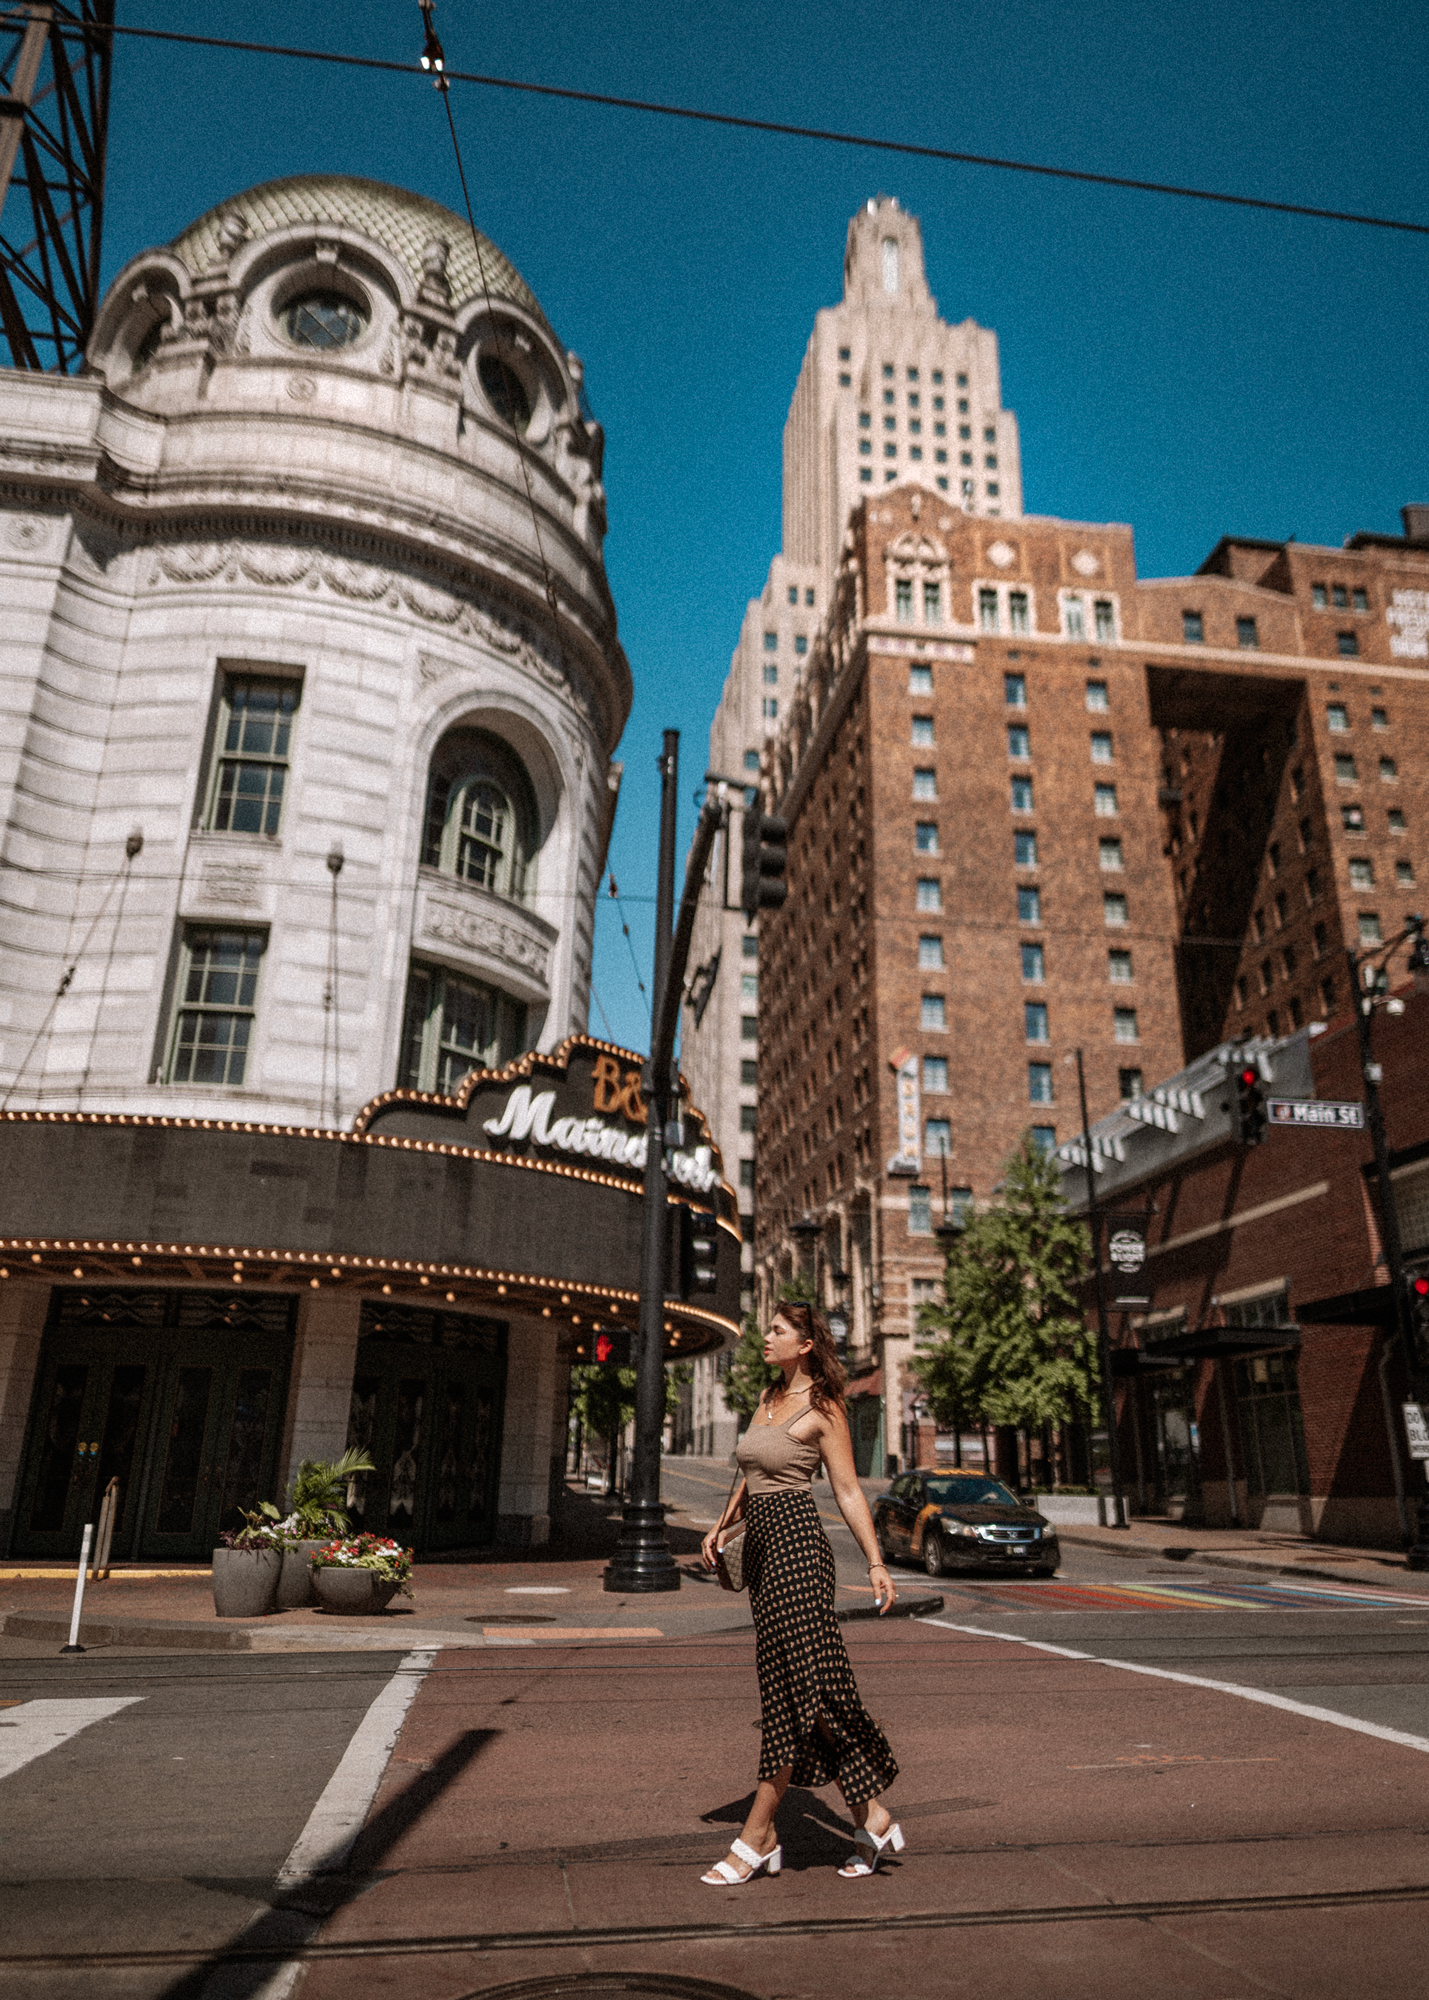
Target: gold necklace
{"type": "Point", "coordinates": [785, 1395]}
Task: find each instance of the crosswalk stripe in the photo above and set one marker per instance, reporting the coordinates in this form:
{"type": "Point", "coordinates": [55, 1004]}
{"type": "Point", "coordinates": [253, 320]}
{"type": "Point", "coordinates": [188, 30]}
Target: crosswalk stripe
{"type": "Point", "coordinates": [36, 1727]}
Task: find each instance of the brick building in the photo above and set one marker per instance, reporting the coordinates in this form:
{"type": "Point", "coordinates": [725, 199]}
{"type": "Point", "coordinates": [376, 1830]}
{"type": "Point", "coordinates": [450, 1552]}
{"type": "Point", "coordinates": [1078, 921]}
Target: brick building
{"type": "Point", "coordinates": [1268, 1352]}
{"type": "Point", "coordinates": [1036, 804]}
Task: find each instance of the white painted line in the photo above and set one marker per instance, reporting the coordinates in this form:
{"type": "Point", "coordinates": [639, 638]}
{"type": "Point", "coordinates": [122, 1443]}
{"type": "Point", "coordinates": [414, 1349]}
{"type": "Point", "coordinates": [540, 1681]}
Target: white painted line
{"type": "Point", "coordinates": [35, 1727]}
{"type": "Point", "coordinates": [1312, 1714]}
{"type": "Point", "coordinates": [336, 1820]}
{"type": "Point", "coordinates": [538, 1590]}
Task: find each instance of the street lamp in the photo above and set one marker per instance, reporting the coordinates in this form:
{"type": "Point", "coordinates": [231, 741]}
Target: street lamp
{"type": "Point", "coordinates": [838, 1318]}
{"type": "Point", "coordinates": [807, 1232]}
{"type": "Point", "coordinates": [1103, 1335]}
{"type": "Point", "coordinates": [1369, 983]}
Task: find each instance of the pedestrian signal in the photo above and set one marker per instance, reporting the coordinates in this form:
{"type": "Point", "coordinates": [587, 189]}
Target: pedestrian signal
{"type": "Point", "coordinates": [699, 1253]}
{"type": "Point", "coordinates": [1416, 1291]}
{"type": "Point", "coordinates": [762, 884]}
{"type": "Point", "coordinates": [613, 1348]}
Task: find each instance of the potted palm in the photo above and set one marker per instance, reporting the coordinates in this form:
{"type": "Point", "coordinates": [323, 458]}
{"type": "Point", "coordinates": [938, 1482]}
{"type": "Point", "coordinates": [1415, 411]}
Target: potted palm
{"type": "Point", "coordinates": [361, 1573]}
{"type": "Point", "coordinates": [315, 1516]}
{"type": "Point", "coordinates": [246, 1568]}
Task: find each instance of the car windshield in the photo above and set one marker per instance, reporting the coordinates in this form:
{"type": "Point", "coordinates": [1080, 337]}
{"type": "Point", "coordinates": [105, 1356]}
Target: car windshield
{"type": "Point", "coordinates": [970, 1489]}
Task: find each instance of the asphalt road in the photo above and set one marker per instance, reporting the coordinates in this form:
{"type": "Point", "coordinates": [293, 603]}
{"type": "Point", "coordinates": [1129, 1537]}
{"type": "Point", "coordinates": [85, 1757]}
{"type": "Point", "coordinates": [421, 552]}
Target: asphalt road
{"type": "Point", "coordinates": [153, 1806]}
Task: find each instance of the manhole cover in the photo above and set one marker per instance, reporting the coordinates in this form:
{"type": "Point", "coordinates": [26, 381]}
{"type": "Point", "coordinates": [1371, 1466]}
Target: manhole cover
{"type": "Point", "coordinates": [510, 1618]}
{"type": "Point", "coordinates": [611, 1986]}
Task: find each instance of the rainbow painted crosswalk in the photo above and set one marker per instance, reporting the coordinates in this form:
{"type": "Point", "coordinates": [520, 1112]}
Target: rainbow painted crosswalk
{"type": "Point", "coordinates": [1197, 1595]}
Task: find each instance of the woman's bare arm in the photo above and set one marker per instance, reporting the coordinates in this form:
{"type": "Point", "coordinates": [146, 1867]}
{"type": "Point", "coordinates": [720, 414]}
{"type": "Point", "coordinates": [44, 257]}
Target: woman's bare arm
{"type": "Point", "coordinates": [733, 1511]}
{"type": "Point", "coordinates": [837, 1448]}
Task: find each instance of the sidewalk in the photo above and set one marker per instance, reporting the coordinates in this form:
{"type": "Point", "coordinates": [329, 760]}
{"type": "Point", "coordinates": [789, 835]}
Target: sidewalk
{"type": "Point", "coordinates": [1252, 1549]}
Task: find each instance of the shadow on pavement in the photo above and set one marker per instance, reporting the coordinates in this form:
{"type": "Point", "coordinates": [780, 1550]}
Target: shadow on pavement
{"type": "Point", "coordinates": [811, 1833]}
{"type": "Point", "coordinates": [587, 1526]}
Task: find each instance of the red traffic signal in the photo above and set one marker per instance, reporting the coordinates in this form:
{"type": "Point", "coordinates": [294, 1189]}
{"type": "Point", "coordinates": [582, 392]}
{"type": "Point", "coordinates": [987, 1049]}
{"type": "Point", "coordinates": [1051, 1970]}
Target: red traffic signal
{"type": "Point", "coordinates": [604, 1347]}
{"type": "Point", "coordinates": [1248, 1114]}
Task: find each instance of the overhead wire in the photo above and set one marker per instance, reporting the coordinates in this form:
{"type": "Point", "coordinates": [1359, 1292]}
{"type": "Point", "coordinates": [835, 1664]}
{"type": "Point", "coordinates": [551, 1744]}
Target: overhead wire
{"type": "Point", "coordinates": [777, 128]}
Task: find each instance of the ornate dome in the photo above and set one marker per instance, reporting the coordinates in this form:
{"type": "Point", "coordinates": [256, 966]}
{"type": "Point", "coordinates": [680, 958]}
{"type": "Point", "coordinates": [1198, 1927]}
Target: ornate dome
{"type": "Point", "coordinates": [402, 222]}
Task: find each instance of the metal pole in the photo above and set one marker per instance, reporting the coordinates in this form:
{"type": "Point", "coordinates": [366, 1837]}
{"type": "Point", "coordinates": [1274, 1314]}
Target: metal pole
{"type": "Point", "coordinates": [74, 1645]}
{"type": "Point", "coordinates": [1103, 1335]}
{"type": "Point", "coordinates": [1219, 1367]}
{"type": "Point", "coordinates": [1418, 1555]}
{"type": "Point", "coordinates": [642, 1560]}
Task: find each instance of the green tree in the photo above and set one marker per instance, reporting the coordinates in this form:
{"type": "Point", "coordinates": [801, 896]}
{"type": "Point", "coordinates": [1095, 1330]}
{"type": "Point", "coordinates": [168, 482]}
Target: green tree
{"type": "Point", "coordinates": [603, 1398]}
{"type": "Point", "coordinates": [1009, 1343]}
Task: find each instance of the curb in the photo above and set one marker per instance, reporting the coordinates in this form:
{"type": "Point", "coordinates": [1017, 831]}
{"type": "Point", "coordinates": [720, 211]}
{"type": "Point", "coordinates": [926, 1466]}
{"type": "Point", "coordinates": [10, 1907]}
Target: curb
{"type": "Point", "coordinates": [1216, 1560]}
{"type": "Point", "coordinates": [179, 1638]}
{"type": "Point", "coordinates": [903, 1607]}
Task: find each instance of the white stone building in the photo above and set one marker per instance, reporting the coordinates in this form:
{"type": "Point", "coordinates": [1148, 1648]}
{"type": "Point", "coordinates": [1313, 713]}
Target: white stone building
{"type": "Point", "coordinates": [310, 686]}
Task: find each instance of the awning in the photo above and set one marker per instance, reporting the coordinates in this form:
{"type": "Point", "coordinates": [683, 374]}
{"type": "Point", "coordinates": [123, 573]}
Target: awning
{"type": "Point", "coordinates": [1228, 1343]}
{"type": "Point", "coordinates": [1374, 1306]}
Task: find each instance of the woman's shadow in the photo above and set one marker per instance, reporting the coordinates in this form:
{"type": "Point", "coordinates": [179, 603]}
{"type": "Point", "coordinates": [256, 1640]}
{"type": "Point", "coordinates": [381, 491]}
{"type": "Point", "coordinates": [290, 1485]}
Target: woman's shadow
{"type": "Point", "coordinates": [811, 1833]}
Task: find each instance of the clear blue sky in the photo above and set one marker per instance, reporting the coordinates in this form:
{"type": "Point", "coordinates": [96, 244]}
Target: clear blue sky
{"type": "Point", "coordinates": [1190, 369]}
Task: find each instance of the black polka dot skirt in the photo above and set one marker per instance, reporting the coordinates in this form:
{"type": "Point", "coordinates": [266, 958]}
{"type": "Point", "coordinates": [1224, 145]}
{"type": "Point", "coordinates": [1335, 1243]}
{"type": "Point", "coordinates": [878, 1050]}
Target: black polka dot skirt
{"type": "Point", "coordinates": [812, 1715]}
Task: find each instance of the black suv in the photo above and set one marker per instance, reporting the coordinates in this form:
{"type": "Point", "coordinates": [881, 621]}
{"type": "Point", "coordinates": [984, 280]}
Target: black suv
{"type": "Point", "coordinates": [956, 1520]}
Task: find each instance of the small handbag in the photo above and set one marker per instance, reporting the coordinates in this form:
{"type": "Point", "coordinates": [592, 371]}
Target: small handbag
{"type": "Point", "coordinates": [729, 1559]}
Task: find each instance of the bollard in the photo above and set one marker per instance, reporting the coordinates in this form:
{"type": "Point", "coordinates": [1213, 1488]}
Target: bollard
{"type": "Point", "coordinates": [74, 1645]}
{"type": "Point", "coordinates": [104, 1534]}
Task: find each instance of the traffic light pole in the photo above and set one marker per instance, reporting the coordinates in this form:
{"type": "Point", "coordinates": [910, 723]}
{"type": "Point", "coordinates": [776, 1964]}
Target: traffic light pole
{"type": "Point", "coordinates": [1094, 1222]}
{"type": "Point", "coordinates": [642, 1560]}
{"type": "Point", "coordinates": [1418, 1555]}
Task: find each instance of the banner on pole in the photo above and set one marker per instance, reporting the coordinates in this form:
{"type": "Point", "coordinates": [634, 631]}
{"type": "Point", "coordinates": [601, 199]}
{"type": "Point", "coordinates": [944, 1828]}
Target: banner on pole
{"type": "Point", "coordinates": [1126, 1253]}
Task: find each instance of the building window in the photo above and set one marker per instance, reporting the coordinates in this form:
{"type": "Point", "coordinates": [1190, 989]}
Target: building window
{"type": "Point", "coordinates": [217, 1006]}
{"type": "Point", "coordinates": [1320, 939]}
{"type": "Point", "coordinates": [748, 1074]}
{"type": "Point", "coordinates": [1361, 872]}
{"type": "Point", "coordinates": [925, 836]}
{"type": "Point", "coordinates": [1193, 629]}
{"type": "Point", "coordinates": [933, 1014]}
{"type": "Point", "coordinates": [987, 610]}
{"type": "Point", "coordinates": [749, 946]}
{"type": "Point", "coordinates": [771, 676]}
{"type": "Point", "coordinates": [801, 644]}
{"type": "Point", "coordinates": [1044, 1139]}
{"type": "Point", "coordinates": [771, 708]}
{"type": "Point", "coordinates": [1361, 600]}
{"type": "Point", "coordinates": [1388, 771]}
{"type": "Point", "coordinates": [1118, 967]}
{"type": "Point", "coordinates": [920, 1211]}
{"type": "Point", "coordinates": [935, 1075]}
{"type": "Point", "coordinates": [1339, 597]}
{"type": "Point", "coordinates": [749, 985]}
{"type": "Point", "coordinates": [1369, 930]}
{"type": "Point", "coordinates": [481, 814]}
{"type": "Point", "coordinates": [1348, 644]}
{"type": "Point", "coordinates": [1327, 996]}
{"type": "Point", "coordinates": [1246, 634]}
{"type": "Point", "coordinates": [1114, 910]}
{"type": "Point", "coordinates": [1039, 1083]}
{"type": "Point", "coordinates": [1319, 597]}
{"type": "Point", "coordinates": [1029, 906]}
{"type": "Point", "coordinates": [1105, 616]}
{"type": "Point", "coordinates": [1024, 850]}
{"type": "Point", "coordinates": [930, 893]}
{"type": "Point", "coordinates": [1109, 855]}
{"type": "Point", "coordinates": [932, 604]}
{"type": "Point", "coordinates": [1022, 795]}
{"type": "Point", "coordinates": [1241, 992]}
{"type": "Point", "coordinates": [1337, 717]}
{"type": "Point", "coordinates": [1105, 800]}
{"type": "Point", "coordinates": [1128, 1084]}
{"type": "Point", "coordinates": [865, 472]}
{"type": "Point", "coordinates": [1404, 874]}
{"type": "Point", "coordinates": [938, 1136]}
{"type": "Point", "coordinates": [751, 760]}
{"type": "Point", "coordinates": [251, 769]}
{"type": "Point", "coordinates": [1352, 818]}
{"type": "Point", "coordinates": [920, 680]}
{"type": "Point", "coordinates": [1345, 772]}
{"type": "Point", "coordinates": [771, 642]}
{"type": "Point", "coordinates": [453, 1025]}
{"type": "Point", "coordinates": [749, 1027]}
{"type": "Point", "coordinates": [1101, 746]}
{"type": "Point", "coordinates": [1034, 1020]}
{"type": "Point", "coordinates": [1075, 619]}
{"type": "Point", "coordinates": [925, 786]}
{"type": "Point", "coordinates": [748, 1119]}
{"type": "Point", "coordinates": [1019, 743]}
{"type": "Point", "coordinates": [746, 1174]}
{"type": "Point", "coordinates": [1034, 965]}
{"type": "Point", "coordinates": [923, 732]}
{"type": "Point", "coordinates": [1098, 700]}
{"type": "Point", "coordinates": [1124, 1024]}
{"type": "Point", "coordinates": [930, 954]}
{"type": "Point", "coordinates": [1014, 690]}
{"type": "Point", "coordinates": [903, 598]}
{"type": "Point", "coordinates": [1379, 718]}
{"type": "Point", "coordinates": [1397, 822]}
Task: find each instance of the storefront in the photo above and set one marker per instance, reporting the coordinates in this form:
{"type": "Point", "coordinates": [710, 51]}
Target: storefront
{"type": "Point", "coordinates": [193, 1306]}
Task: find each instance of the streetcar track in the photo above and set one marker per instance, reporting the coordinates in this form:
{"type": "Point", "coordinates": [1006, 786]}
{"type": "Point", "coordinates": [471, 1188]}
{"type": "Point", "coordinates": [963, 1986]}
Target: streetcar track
{"type": "Point", "coordinates": [482, 1942]}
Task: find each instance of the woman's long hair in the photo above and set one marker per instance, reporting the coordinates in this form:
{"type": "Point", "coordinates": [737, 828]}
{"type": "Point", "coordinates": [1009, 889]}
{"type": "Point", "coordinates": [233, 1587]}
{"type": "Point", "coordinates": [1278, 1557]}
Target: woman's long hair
{"type": "Point", "coordinates": [822, 1359]}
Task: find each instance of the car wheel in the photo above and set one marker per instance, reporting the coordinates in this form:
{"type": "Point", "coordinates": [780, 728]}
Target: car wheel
{"type": "Point", "coordinates": [933, 1552]}
{"type": "Point", "coordinates": [1045, 1569]}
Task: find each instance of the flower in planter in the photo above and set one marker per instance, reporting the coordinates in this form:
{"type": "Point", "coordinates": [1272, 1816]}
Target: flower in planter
{"type": "Point", "coordinates": [261, 1530]}
{"type": "Point", "coordinates": [386, 1559]}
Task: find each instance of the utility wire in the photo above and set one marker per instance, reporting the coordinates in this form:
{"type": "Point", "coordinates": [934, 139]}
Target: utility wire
{"type": "Point", "coordinates": [614, 895]}
{"type": "Point", "coordinates": [777, 128]}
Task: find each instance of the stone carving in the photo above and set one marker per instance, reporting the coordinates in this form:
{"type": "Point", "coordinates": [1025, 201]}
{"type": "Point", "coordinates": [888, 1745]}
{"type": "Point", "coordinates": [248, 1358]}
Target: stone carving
{"type": "Point", "coordinates": [1001, 554]}
{"type": "Point", "coordinates": [302, 388]}
{"type": "Point", "coordinates": [1085, 563]}
{"type": "Point", "coordinates": [435, 287]}
{"type": "Point", "coordinates": [495, 936]}
{"type": "Point", "coordinates": [237, 884]}
{"type": "Point", "coordinates": [290, 565]}
{"type": "Point", "coordinates": [25, 532]}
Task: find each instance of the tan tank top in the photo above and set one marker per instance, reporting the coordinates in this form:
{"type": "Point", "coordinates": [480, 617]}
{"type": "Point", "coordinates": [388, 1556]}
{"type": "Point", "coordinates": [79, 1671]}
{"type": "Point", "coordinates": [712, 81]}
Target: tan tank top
{"type": "Point", "coordinates": [774, 1462]}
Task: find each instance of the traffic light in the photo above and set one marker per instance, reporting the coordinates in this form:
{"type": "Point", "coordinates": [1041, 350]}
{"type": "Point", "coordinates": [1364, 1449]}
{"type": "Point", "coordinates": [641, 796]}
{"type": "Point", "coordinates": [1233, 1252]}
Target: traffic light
{"type": "Point", "coordinates": [1248, 1114]}
{"type": "Point", "coordinates": [762, 885]}
{"type": "Point", "coordinates": [613, 1347]}
{"type": "Point", "coordinates": [1416, 1293]}
{"type": "Point", "coordinates": [699, 1252]}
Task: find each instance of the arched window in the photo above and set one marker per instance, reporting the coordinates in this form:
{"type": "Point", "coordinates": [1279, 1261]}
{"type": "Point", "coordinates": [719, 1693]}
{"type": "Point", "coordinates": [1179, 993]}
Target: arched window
{"type": "Point", "coordinates": [481, 814]}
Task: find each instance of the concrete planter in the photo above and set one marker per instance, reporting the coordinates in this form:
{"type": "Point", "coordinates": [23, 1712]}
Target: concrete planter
{"type": "Point", "coordinates": [1081, 1510]}
{"type": "Point", "coordinates": [245, 1581]}
{"type": "Point", "coordinates": [352, 1592]}
{"type": "Point", "coordinates": [295, 1585]}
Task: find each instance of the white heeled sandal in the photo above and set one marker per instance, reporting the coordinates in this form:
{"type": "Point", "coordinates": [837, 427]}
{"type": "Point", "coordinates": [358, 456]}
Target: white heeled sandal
{"type": "Point", "coordinates": [856, 1865]}
{"type": "Point", "coordinates": [723, 1874]}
